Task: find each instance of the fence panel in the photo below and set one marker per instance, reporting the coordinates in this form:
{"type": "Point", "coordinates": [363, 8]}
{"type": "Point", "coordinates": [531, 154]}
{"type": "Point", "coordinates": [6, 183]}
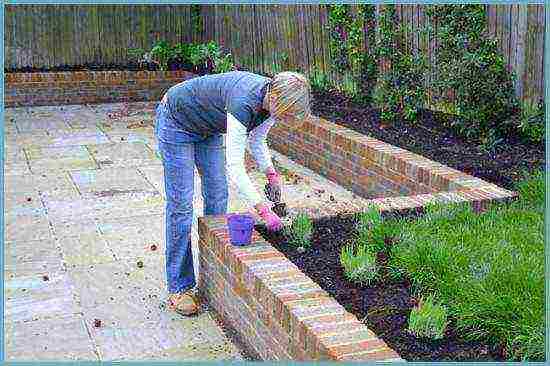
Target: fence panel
{"type": "Point", "coordinates": [265, 38]}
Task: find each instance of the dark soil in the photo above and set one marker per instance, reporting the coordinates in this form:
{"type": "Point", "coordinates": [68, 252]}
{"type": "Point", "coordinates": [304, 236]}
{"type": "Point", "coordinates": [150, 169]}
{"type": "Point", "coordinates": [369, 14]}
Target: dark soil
{"type": "Point", "coordinates": [431, 138]}
{"type": "Point", "coordinates": [383, 306]}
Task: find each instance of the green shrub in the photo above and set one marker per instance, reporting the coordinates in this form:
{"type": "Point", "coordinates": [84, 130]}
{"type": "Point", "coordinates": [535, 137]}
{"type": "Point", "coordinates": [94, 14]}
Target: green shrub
{"type": "Point", "coordinates": [400, 89]}
{"type": "Point", "coordinates": [471, 70]}
{"type": "Point", "coordinates": [359, 263]}
{"type": "Point", "coordinates": [161, 54]}
{"type": "Point", "coordinates": [530, 122]}
{"type": "Point", "coordinates": [301, 230]}
{"type": "Point", "coordinates": [428, 319]}
{"type": "Point", "coordinates": [487, 268]}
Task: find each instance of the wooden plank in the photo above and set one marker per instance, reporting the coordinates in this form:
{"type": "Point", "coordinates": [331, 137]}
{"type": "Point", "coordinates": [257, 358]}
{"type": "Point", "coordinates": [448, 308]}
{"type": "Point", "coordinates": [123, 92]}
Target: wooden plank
{"type": "Point", "coordinates": [520, 48]}
{"type": "Point", "coordinates": [18, 36]}
{"type": "Point", "coordinates": [9, 36]}
{"type": "Point", "coordinates": [530, 52]}
{"type": "Point", "coordinates": [539, 92]}
{"type": "Point", "coordinates": [70, 38]}
{"type": "Point", "coordinates": [253, 35]}
{"type": "Point", "coordinates": [513, 36]}
{"type": "Point", "coordinates": [492, 20]}
{"type": "Point", "coordinates": [506, 34]}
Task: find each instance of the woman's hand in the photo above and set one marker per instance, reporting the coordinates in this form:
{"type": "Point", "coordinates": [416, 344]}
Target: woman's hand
{"type": "Point", "coordinates": [271, 219]}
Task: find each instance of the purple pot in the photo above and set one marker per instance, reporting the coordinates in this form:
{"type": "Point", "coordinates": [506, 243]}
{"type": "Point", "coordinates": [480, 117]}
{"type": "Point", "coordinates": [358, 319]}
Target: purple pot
{"type": "Point", "coordinates": [240, 228]}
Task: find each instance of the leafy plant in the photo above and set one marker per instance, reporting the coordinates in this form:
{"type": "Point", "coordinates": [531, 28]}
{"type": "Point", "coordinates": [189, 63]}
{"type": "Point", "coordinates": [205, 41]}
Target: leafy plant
{"type": "Point", "coordinates": [319, 81]}
{"type": "Point", "coordinates": [471, 72]}
{"type": "Point", "coordinates": [400, 90]}
{"type": "Point", "coordinates": [223, 63]}
{"type": "Point", "coordinates": [349, 86]}
{"type": "Point", "coordinates": [349, 54]}
{"type": "Point", "coordinates": [161, 54]}
{"type": "Point", "coordinates": [301, 230]}
{"type": "Point", "coordinates": [359, 263]}
{"type": "Point", "coordinates": [428, 319]}
{"type": "Point", "coordinates": [374, 231]}
{"type": "Point", "coordinates": [529, 122]}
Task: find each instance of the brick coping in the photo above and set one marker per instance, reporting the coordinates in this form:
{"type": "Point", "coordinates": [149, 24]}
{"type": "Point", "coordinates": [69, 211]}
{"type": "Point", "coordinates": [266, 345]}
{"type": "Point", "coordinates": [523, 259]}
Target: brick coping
{"type": "Point", "coordinates": [13, 78]}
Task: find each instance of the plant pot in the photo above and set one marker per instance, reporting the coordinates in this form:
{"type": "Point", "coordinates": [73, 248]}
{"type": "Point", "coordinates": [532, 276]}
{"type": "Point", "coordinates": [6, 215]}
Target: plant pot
{"type": "Point", "coordinates": [240, 228]}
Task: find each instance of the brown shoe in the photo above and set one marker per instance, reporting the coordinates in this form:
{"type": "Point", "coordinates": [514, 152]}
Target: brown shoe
{"type": "Point", "coordinates": [184, 303]}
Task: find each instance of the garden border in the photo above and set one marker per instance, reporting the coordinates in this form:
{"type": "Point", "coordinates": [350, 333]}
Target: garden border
{"type": "Point", "coordinates": [281, 313]}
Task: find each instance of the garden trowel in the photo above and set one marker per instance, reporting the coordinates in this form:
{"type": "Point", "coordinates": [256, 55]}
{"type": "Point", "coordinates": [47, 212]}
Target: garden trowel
{"type": "Point", "coordinates": [274, 195]}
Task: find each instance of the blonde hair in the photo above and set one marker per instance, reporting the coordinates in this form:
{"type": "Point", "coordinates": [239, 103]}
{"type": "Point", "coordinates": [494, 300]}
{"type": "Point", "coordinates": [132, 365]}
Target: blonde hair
{"type": "Point", "coordinates": [290, 93]}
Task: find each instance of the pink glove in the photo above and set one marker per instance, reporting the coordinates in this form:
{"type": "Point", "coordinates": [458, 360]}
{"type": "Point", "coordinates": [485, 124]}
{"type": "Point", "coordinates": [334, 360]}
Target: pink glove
{"type": "Point", "coordinates": [273, 177]}
{"type": "Point", "coordinates": [273, 221]}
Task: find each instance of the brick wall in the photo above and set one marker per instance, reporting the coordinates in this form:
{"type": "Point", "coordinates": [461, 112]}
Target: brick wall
{"type": "Point", "coordinates": [278, 311]}
{"type": "Point", "coordinates": [373, 169]}
{"type": "Point", "coordinates": [53, 88]}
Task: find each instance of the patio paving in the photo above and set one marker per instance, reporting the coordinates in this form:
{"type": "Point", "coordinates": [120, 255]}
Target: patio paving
{"type": "Point", "coordinates": [84, 202]}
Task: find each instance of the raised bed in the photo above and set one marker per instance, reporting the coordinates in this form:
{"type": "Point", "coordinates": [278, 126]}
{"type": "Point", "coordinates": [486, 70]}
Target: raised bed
{"type": "Point", "coordinates": [279, 312]}
{"type": "Point", "coordinates": [80, 87]}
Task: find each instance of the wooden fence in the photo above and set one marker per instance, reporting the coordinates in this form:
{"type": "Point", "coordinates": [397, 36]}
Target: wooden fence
{"type": "Point", "coordinates": [265, 38]}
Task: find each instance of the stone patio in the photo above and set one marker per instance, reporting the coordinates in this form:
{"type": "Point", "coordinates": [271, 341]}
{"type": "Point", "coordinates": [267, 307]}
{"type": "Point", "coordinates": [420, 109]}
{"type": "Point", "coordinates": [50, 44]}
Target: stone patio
{"type": "Point", "coordinates": [84, 203]}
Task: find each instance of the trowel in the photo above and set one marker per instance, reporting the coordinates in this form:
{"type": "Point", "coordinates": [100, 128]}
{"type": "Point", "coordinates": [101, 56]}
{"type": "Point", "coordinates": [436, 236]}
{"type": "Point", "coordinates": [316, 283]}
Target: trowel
{"type": "Point", "coordinates": [274, 195]}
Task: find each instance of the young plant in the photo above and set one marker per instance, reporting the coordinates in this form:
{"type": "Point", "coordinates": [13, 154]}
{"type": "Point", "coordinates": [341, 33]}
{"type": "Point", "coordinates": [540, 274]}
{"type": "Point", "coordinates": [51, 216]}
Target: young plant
{"type": "Point", "coordinates": [319, 80]}
{"type": "Point", "coordinates": [223, 63]}
{"type": "Point", "coordinates": [428, 319]}
{"type": "Point", "coordinates": [349, 86]}
{"type": "Point", "coordinates": [372, 231]}
{"type": "Point", "coordinates": [161, 54]}
{"type": "Point", "coordinates": [300, 231]}
{"type": "Point", "coordinates": [359, 263]}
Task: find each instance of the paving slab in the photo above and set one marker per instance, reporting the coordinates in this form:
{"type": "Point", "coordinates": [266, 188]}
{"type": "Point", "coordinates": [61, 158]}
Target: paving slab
{"type": "Point", "coordinates": [97, 201]}
{"type": "Point", "coordinates": [124, 154]}
{"type": "Point", "coordinates": [60, 339]}
{"type": "Point", "coordinates": [97, 183]}
{"type": "Point", "coordinates": [27, 258]}
{"type": "Point", "coordinates": [44, 159]}
{"type": "Point", "coordinates": [44, 182]}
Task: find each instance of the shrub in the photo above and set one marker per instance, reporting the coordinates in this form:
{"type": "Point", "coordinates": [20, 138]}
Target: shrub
{"type": "Point", "coordinates": [471, 71]}
{"type": "Point", "coordinates": [530, 122]}
{"type": "Point", "coordinates": [359, 263]}
{"type": "Point", "coordinates": [400, 90]}
{"type": "Point", "coordinates": [428, 319]}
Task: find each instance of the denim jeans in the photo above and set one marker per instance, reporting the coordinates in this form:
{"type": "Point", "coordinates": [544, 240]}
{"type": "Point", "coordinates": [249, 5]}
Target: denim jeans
{"type": "Point", "coordinates": [180, 153]}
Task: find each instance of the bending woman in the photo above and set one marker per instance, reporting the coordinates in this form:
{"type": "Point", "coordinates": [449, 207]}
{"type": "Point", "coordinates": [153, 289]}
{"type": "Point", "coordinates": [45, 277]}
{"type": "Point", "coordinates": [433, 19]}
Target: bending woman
{"type": "Point", "coordinates": [190, 122]}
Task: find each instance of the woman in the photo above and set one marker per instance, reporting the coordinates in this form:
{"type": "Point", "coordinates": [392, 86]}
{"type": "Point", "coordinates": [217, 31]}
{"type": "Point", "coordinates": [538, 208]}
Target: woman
{"type": "Point", "coordinates": [191, 120]}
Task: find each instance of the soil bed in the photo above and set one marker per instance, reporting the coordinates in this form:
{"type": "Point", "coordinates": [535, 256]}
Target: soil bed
{"type": "Point", "coordinates": [432, 139]}
{"type": "Point", "coordinates": [383, 306]}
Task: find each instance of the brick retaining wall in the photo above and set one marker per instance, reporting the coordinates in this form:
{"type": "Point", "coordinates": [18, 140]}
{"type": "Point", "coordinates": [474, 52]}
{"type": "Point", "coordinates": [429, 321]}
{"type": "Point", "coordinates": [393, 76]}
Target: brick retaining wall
{"type": "Point", "coordinates": [376, 170]}
{"type": "Point", "coordinates": [79, 87]}
{"type": "Point", "coordinates": [279, 312]}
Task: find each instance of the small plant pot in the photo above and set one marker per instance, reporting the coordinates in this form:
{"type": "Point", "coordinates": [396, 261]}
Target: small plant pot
{"type": "Point", "coordinates": [240, 229]}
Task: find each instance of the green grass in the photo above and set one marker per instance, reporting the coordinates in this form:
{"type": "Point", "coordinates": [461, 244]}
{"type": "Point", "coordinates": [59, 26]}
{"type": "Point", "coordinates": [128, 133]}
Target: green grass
{"type": "Point", "coordinates": [428, 319]}
{"type": "Point", "coordinates": [487, 269]}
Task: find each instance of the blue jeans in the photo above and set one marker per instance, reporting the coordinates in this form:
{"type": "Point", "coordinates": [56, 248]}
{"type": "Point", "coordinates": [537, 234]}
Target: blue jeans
{"type": "Point", "coordinates": [180, 152]}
